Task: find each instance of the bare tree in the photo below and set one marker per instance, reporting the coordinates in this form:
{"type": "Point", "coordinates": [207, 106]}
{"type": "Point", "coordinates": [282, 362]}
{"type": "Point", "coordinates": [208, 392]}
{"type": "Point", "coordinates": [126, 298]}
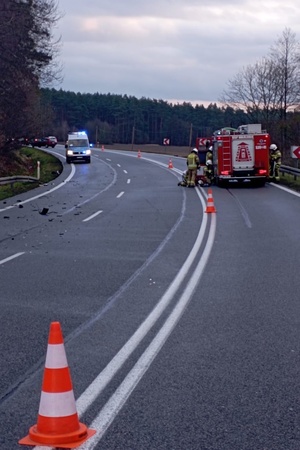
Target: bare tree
{"type": "Point", "coordinates": [253, 90]}
{"type": "Point", "coordinates": [270, 87]}
{"type": "Point", "coordinates": [27, 60]}
{"type": "Point", "coordinates": [285, 54]}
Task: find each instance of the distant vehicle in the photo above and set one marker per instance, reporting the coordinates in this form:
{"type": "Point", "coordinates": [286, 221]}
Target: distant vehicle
{"type": "Point", "coordinates": [78, 147]}
{"type": "Point", "coordinates": [38, 142]}
{"type": "Point", "coordinates": [250, 128]}
{"type": "Point", "coordinates": [23, 140]}
{"type": "Point", "coordinates": [51, 141]}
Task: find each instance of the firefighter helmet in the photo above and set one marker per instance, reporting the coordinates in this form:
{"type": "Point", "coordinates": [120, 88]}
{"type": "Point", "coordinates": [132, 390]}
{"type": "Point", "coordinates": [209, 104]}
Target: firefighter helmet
{"type": "Point", "coordinates": [209, 162]}
{"type": "Point", "coordinates": [195, 150]}
{"type": "Point", "coordinates": [273, 147]}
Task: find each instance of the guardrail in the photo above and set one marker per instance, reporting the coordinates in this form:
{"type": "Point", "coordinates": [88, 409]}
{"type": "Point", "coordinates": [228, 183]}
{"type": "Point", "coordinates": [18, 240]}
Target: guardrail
{"type": "Point", "coordinates": [22, 178]}
{"type": "Point", "coordinates": [18, 179]}
{"type": "Point", "coordinates": [290, 170]}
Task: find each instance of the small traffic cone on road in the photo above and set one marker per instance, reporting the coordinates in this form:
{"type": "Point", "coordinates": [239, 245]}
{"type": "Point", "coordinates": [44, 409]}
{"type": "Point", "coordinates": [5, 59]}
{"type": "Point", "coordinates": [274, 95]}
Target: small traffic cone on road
{"type": "Point", "coordinates": [171, 164]}
{"type": "Point", "coordinates": [57, 423]}
{"type": "Point", "coordinates": [210, 207]}
{"type": "Point", "coordinates": [139, 154]}
{"type": "Point", "coordinates": [102, 148]}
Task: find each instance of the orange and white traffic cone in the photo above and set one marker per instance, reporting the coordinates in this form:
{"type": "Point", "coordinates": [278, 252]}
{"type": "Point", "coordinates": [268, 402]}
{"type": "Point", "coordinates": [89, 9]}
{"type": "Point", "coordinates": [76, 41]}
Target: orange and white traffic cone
{"type": "Point", "coordinates": [171, 164]}
{"type": "Point", "coordinates": [210, 207]}
{"type": "Point", "coordinates": [57, 423]}
{"type": "Point", "coordinates": [139, 154]}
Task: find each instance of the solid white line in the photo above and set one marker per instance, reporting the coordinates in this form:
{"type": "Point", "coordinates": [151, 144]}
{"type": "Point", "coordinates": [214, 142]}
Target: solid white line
{"type": "Point", "coordinates": [120, 195]}
{"type": "Point", "coordinates": [118, 399]}
{"type": "Point", "coordinates": [92, 216]}
{"type": "Point", "coordinates": [100, 382]}
{"type": "Point", "coordinates": [104, 377]}
{"type": "Point", "coordinates": [11, 257]}
{"type": "Point", "coordinates": [107, 374]}
{"type": "Point", "coordinates": [283, 188]}
{"type": "Point", "coordinates": [7, 207]}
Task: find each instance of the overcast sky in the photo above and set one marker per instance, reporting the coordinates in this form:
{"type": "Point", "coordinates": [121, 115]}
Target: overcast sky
{"type": "Point", "coordinates": [174, 50]}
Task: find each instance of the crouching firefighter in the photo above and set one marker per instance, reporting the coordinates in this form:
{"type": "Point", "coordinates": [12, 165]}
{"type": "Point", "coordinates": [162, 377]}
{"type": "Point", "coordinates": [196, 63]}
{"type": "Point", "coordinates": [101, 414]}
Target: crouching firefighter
{"type": "Point", "coordinates": [183, 182]}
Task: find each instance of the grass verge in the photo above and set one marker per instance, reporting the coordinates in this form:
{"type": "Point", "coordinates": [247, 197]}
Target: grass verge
{"type": "Point", "coordinates": [290, 181]}
{"type": "Point", "coordinates": [24, 162]}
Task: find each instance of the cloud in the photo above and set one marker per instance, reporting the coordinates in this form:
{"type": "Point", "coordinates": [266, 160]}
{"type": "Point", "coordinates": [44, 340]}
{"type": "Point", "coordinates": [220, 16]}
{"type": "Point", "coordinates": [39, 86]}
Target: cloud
{"type": "Point", "coordinates": [167, 49]}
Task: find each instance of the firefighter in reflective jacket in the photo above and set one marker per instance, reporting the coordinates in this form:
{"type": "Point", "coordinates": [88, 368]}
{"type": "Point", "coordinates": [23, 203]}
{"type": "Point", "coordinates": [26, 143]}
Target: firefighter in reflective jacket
{"type": "Point", "coordinates": [193, 163]}
{"type": "Point", "coordinates": [275, 162]}
{"type": "Point", "coordinates": [209, 155]}
{"type": "Point", "coordinates": [208, 170]}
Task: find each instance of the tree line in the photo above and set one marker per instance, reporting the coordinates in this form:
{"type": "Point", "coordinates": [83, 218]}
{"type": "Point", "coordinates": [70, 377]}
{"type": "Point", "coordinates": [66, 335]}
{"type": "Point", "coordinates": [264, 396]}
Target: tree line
{"type": "Point", "coordinates": [267, 92]}
{"type": "Point", "coordinates": [111, 118]}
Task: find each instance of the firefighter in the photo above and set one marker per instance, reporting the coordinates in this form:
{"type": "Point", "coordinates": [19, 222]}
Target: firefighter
{"type": "Point", "coordinates": [208, 171]}
{"type": "Point", "coordinates": [275, 162]}
{"type": "Point", "coordinates": [209, 155]}
{"type": "Point", "coordinates": [193, 163]}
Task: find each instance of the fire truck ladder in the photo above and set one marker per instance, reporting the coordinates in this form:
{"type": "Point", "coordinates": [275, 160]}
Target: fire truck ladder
{"type": "Point", "coordinates": [227, 156]}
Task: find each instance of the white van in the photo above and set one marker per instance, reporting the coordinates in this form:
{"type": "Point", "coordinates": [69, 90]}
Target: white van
{"type": "Point", "coordinates": [78, 147]}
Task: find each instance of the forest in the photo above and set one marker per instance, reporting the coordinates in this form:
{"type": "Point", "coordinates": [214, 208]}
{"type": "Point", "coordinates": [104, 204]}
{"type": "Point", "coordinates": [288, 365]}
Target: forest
{"type": "Point", "coordinates": [110, 118]}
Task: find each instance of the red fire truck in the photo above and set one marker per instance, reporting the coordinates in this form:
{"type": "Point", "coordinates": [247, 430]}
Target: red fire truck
{"type": "Point", "coordinates": [241, 156]}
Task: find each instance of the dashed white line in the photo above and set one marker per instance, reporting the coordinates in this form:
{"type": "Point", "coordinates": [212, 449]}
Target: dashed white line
{"type": "Point", "coordinates": [92, 216]}
{"type": "Point", "coordinates": [120, 195]}
{"type": "Point", "coordinates": [128, 181]}
{"type": "Point", "coordinates": [11, 257]}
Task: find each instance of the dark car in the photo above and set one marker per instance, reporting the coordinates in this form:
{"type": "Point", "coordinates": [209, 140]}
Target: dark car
{"type": "Point", "coordinates": [23, 141]}
{"type": "Point", "coordinates": [38, 142]}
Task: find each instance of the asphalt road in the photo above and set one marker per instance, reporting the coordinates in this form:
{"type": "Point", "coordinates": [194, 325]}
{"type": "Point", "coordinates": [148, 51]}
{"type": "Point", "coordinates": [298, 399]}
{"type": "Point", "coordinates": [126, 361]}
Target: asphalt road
{"type": "Point", "coordinates": [181, 328]}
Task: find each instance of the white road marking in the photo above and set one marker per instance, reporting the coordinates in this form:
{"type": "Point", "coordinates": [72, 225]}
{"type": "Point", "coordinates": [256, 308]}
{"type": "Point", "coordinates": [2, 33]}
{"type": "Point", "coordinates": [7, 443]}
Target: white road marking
{"type": "Point", "coordinates": [44, 193]}
{"type": "Point", "coordinates": [283, 188]}
{"type": "Point", "coordinates": [128, 181]}
{"type": "Point", "coordinates": [92, 216]}
{"type": "Point", "coordinates": [11, 257]}
{"type": "Point", "coordinates": [113, 406]}
{"type": "Point", "coordinates": [118, 399]}
{"type": "Point", "coordinates": [120, 195]}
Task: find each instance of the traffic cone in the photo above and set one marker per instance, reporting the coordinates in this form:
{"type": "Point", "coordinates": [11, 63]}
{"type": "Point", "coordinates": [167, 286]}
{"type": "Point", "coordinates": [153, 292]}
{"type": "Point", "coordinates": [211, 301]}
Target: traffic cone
{"type": "Point", "coordinates": [57, 423]}
{"type": "Point", "coordinates": [139, 154]}
{"type": "Point", "coordinates": [102, 148]}
{"type": "Point", "coordinates": [210, 207]}
{"type": "Point", "coordinates": [171, 164]}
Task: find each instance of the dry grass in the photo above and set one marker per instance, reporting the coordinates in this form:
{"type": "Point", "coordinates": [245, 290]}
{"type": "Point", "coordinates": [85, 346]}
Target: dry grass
{"type": "Point", "coordinates": [159, 149]}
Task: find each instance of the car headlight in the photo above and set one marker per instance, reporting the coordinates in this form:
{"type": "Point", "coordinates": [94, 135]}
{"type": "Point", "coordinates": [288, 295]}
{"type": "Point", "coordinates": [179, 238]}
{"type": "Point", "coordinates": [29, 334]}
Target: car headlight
{"type": "Point", "coordinates": [88, 152]}
{"type": "Point", "coordinates": [69, 152]}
